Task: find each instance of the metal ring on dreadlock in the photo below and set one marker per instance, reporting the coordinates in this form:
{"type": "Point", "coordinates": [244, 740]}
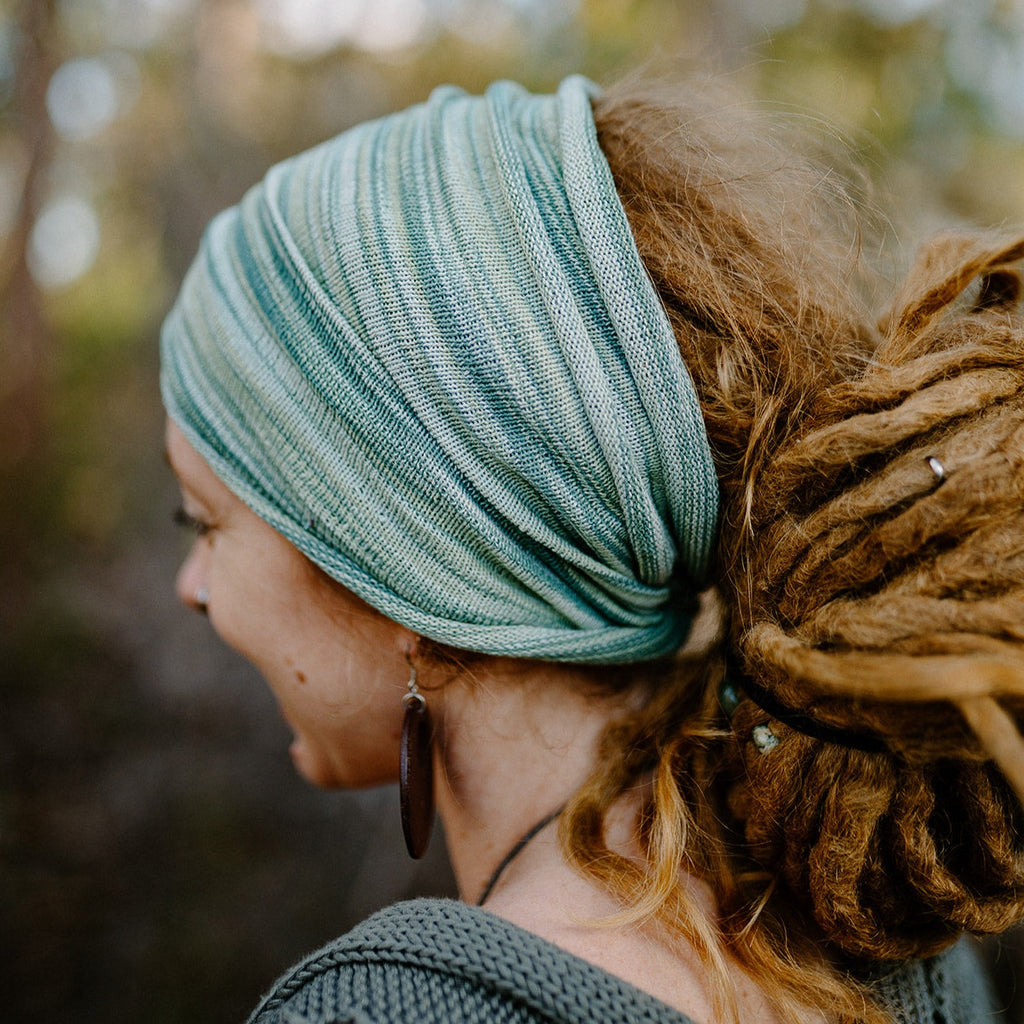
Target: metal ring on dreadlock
{"type": "Point", "coordinates": [937, 468]}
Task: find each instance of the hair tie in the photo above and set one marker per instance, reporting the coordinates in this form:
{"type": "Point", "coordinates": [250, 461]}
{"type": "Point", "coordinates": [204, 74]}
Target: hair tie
{"type": "Point", "coordinates": [734, 682]}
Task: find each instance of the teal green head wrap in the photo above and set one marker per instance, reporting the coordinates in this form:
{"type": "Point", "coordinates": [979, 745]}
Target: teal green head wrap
{"type": "Point", "coordinates": [427, 352]}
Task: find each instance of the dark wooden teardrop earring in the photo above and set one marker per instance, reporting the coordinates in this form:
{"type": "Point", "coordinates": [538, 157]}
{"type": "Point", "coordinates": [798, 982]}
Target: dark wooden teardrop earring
{"type": "Point", "coordinates": [416, 772]}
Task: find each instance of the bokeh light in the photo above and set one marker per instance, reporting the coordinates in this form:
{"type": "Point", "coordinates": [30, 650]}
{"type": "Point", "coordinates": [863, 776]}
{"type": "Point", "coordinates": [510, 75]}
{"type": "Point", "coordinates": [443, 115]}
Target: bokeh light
{"type": "Point", "coordinates": [135, 24]}
{"type": "Point", "coordinates": [82, 98]}
{"type": "Point", "coordinates": [899, 12]}
{"type": "Point", "coordinates": [64, 243]}
{"type": "Point", "coordinates": [309, 28]}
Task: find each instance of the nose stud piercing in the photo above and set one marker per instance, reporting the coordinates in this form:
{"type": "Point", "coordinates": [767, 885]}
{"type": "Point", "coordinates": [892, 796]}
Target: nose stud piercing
{"type": "Point", "coordinates": [201, 600]}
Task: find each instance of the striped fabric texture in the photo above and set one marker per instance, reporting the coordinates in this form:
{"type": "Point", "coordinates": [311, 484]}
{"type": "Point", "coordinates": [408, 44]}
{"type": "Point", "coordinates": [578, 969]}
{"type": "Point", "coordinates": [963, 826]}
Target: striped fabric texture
{"type": "Point", "coordinates": [427, 352]}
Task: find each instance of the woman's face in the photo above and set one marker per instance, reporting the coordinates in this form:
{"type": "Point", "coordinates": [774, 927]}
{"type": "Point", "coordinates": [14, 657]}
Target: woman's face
{"type": "Point", "coordinates": [338, 668]}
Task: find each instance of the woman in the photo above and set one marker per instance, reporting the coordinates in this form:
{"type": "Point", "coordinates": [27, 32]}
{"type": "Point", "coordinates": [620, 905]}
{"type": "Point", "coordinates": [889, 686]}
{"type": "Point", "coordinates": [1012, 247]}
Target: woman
{"type": "Point", "coordinates": [468, 406]}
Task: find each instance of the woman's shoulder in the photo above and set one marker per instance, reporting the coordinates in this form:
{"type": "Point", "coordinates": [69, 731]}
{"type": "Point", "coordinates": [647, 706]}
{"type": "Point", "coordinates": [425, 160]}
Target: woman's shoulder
{"type": "Point", "coordinates": [951, 988]}
{"type": "Point", "coordinates": [435, 960]}
{"type": "Point", "coordinates": [438, 960]}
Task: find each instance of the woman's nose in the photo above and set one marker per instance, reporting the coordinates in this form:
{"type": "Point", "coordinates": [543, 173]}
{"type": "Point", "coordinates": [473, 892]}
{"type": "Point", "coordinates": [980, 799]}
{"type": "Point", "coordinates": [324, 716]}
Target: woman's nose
{"type": "Point", "coordinates": [191, 586]}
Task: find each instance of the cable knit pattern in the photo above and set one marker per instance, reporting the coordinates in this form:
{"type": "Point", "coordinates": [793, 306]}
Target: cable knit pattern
{"type": "Point", "coordinates": [443, 962]}
{"type": "Point", "coordinates": [947, 989]}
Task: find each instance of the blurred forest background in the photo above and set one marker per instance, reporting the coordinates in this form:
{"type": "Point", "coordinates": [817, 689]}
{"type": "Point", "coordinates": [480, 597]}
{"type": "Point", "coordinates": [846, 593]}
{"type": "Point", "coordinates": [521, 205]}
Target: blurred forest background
{"type": "Point", "coordinates": [158, 858]}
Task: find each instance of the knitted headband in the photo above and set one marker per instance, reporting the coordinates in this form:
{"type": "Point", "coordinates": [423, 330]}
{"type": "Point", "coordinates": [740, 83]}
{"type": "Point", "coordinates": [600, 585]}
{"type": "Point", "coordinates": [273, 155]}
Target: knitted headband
{"type": "Point", "coordinates": [427, 352]}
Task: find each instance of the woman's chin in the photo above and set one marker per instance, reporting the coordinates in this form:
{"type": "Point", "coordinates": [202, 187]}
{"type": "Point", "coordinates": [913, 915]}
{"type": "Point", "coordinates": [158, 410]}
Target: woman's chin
{"type": "Point", "coordinates": [316, 765]}
{"type": "Point", "coordinates": [311, 767]}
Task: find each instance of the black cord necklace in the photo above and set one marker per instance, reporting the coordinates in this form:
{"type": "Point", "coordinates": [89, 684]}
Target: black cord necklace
{"type": "Point", "coordinates": [515, 851]}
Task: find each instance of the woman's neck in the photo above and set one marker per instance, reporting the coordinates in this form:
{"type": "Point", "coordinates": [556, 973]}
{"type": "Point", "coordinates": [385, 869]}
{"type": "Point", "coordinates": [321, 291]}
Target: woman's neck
{"type": "Point", "coordinates": [510, 752]}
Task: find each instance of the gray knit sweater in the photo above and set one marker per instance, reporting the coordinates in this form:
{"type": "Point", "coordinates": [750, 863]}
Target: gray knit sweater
{"type": "Point", "coordinates": [443, 962]}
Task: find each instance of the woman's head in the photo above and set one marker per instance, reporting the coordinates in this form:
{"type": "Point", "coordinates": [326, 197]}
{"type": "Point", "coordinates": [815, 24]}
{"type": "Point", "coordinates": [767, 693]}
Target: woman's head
{"type": "Point", "coordinates": [428, 354]}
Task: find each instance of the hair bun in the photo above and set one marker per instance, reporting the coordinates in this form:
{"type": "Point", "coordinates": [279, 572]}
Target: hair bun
{"type": "Point", "coordinates": [880, 591]}
{"type": "Point", "coordinates": [892, 860]}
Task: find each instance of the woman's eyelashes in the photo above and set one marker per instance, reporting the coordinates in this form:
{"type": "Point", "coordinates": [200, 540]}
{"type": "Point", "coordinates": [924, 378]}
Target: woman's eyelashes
{"type": "Point", "coordinates": [190, 522]}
